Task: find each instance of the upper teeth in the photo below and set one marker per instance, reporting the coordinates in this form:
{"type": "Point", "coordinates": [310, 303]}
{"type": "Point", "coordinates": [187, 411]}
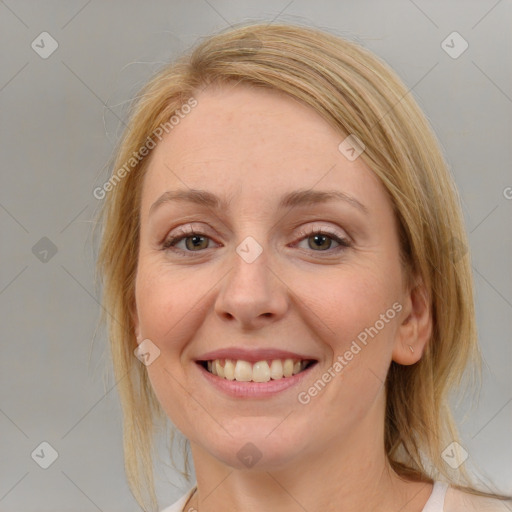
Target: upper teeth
{"type": "Point", "coordinates": [260, 371]}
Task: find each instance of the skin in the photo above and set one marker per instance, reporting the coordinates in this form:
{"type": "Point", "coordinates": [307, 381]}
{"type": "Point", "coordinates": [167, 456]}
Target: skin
{"type": "Point", "coordinates": [254, 146]}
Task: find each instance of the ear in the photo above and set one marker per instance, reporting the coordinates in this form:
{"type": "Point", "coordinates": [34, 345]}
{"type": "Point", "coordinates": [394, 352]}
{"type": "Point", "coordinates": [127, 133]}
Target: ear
{"type": "Point", "coordinates": [415, 327]}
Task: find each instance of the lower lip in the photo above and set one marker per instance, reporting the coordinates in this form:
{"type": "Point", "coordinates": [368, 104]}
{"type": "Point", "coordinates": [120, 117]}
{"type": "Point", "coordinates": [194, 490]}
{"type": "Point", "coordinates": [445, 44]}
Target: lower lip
{"type": "Point", "coordinates": [236, 389]}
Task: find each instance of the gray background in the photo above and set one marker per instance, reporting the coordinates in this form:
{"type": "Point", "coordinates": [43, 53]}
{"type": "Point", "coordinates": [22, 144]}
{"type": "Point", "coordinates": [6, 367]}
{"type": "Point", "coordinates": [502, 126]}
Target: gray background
{"type": "Point", "coordinates": [60, 119]}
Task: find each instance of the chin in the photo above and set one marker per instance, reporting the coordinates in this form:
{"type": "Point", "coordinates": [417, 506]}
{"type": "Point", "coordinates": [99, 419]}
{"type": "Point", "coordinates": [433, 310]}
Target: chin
{"type": "Point", "coordinates": [258, 447]}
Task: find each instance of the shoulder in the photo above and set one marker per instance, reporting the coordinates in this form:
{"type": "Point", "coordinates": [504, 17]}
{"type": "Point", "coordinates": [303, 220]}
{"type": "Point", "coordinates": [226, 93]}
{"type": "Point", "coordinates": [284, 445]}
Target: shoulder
{"type": "Point", "coordinates": [460, 501]}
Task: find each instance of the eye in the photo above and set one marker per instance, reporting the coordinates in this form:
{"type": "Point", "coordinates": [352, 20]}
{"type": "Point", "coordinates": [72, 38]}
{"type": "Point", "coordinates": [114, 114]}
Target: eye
{"type": "Point", "coordinates": [320, 240]}
{"type": "Point", "coordinates": [194, 241]}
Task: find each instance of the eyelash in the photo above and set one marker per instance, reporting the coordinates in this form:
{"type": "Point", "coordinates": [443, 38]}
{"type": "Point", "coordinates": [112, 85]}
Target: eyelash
{"type": "Point", "coordinates": [168, 244]}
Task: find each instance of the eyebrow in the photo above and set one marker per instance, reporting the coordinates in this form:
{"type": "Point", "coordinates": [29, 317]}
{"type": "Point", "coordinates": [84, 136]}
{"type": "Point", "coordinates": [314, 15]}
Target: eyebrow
{"type": "Point", "coordinates": [293, 199]}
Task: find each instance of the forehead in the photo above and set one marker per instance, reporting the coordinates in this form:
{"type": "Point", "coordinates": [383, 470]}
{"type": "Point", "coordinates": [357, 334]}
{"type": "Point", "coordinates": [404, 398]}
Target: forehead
{"type": "Point", "coordinates": [254, 145]}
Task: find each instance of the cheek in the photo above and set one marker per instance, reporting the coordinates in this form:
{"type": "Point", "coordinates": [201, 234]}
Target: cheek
{"type": "Point", "coordinates": [167, 310]}
{"type": "Point", "coordinates": [354, 302]}
{"type": "Point", "coordinates": [362, 317]}
{"type": "Point", "coordinates": [362, 325]}
{"type": "Point", "coordinates": [161, 302]}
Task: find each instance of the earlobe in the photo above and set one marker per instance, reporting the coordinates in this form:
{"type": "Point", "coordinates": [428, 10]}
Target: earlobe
{"type": "Point", "coordinates": [415, 328]}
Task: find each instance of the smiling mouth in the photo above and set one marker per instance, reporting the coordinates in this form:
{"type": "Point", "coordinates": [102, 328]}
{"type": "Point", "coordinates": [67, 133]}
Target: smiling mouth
{"type": "Point", "coordinates": [261, 371]}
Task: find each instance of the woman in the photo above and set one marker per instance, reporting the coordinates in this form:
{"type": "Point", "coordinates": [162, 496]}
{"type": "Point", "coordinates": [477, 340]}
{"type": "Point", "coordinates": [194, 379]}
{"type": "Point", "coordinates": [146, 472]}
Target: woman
{"type": "Point", "coordinates": [286, 277]}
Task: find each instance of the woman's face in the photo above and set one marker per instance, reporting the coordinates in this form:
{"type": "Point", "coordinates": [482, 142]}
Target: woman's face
{"type": "Point", "coordinates": [257, 284]}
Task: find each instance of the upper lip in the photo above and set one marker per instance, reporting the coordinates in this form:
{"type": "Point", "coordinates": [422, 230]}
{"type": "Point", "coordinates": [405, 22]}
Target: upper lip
{"type": "Point", "coordinates": [252, 355]}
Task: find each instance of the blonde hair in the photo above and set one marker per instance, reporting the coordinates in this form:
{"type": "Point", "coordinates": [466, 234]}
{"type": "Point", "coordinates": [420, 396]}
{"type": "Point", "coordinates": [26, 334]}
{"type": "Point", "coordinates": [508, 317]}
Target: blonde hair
{"type": "Point", "coordinates": [358, 94]}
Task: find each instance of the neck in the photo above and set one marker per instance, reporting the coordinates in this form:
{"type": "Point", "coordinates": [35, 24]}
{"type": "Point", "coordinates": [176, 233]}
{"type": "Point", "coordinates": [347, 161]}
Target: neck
{"type": "Point", "coordinates": [349, 473]}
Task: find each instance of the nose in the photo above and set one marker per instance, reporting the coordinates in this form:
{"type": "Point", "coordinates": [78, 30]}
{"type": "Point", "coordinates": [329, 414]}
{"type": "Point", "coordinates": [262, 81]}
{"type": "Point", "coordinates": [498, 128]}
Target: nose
{"type": "Point", "coordinates": [252, 294]}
